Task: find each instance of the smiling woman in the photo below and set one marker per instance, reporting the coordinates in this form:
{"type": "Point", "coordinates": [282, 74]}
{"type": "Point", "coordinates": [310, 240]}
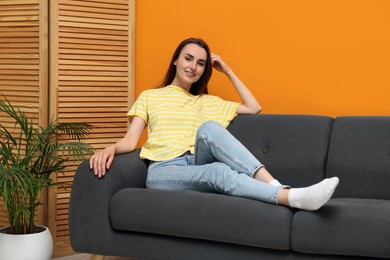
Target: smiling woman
{"type": "Point", "coordinates": [188, 145]}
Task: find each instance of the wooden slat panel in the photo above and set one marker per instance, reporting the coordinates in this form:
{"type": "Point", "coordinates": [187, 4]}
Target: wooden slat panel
{"type": "Point", "coordinates": [23, 54]}
{"type": "Point", "coordinates": [91, 81]}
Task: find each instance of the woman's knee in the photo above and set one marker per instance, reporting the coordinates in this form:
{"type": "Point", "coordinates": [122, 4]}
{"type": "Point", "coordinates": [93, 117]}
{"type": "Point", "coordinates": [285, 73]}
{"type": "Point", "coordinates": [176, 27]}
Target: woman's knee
{"type": "Point", "coordinates": [209, 127]}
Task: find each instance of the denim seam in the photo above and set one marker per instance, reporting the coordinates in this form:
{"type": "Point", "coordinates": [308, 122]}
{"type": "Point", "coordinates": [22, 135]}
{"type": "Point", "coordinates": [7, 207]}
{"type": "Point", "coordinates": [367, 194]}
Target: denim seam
{"type": "Point", "coordinates": [251, 172]}
{"type": "Point", "coordinates": [218, 188]}
{"type": "Point", "coordinates": [256, 169]}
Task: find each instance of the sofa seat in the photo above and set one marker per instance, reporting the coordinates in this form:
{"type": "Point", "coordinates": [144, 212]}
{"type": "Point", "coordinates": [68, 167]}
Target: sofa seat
{"type": "Point", "coordinates": [206, 216]}
{"type": "Point", "coordinates": [341, 228]}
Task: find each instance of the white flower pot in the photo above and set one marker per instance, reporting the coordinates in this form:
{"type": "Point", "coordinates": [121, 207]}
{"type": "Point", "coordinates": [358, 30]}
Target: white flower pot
{"type": "Point", "coordinates": [37, 246]}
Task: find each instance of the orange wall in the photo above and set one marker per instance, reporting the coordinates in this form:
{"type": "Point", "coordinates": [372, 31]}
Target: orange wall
{"type": "Point", "coordinates": [327, 57]}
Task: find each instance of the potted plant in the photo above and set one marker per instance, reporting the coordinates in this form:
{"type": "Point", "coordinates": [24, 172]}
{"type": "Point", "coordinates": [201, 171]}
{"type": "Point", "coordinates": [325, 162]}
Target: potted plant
{"type": "Point", "coordinates": [29, 155]}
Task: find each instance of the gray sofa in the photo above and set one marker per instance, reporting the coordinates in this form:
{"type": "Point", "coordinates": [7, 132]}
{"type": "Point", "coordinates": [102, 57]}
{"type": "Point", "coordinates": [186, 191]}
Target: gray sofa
{"type": "Point", "coordinates": [116, 215]}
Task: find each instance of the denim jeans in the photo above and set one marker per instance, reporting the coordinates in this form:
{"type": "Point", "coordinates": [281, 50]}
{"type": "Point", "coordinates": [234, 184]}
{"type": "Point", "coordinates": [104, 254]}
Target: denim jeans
{"type": "Point", "coordinates": [220, 164]}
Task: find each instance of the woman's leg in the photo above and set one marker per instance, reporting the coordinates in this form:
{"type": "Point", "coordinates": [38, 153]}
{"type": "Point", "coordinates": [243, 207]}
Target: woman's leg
{"type": "Point", "coordinates": [263, 175]}
{"type": "Point", "coordinates": [181, 174]}
{"type": "Point", "coordinates": [215, 143]}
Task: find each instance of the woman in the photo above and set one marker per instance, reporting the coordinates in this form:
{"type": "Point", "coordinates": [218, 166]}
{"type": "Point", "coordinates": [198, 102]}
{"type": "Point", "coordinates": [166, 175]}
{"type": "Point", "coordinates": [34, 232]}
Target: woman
{"type": "Point", "coordinates": [188, 145]}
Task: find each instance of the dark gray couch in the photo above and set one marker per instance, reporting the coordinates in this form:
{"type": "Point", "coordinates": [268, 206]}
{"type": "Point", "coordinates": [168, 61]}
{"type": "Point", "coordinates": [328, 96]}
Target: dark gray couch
{"type": "Point", "coordinates": [116, 215]}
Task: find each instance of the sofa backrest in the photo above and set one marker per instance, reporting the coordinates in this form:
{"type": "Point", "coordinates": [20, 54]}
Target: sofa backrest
{"type": "Point", "coordinates": [359, 154]}
{"type": "Point", "coordinates": [292, 147]}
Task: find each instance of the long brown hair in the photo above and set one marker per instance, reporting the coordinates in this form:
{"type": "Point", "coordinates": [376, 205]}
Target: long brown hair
{"type": "Point", "coordinates": [199, 87]}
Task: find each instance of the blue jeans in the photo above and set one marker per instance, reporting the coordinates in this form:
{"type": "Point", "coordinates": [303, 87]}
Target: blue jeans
{"type": "Point", "coordinates": [220, 164]}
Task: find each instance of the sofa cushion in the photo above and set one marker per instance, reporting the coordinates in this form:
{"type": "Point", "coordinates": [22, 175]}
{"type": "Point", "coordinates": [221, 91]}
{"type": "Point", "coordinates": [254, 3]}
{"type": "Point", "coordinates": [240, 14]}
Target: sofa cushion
{"type": "Point", "coordinates": [292, 147]}
{"type": "Point", "coordinates": [199, 215]}
{"type": "Point", "coordinates": [359, 154]}
{"type": "Point", "coordinates": [359, 227]}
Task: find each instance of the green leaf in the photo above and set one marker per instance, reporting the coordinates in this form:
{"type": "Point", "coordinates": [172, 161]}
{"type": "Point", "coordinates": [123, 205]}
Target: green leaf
{"type": "Point", "coordinates": [29, 156]}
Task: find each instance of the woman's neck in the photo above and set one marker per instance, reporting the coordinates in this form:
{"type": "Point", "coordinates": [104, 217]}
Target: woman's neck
{"type": "Point", "coordinates": [184, 86]}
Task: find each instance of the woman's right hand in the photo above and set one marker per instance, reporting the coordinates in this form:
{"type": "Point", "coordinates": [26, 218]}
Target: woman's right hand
{"type": "Point", "coordinates": [101, 161]}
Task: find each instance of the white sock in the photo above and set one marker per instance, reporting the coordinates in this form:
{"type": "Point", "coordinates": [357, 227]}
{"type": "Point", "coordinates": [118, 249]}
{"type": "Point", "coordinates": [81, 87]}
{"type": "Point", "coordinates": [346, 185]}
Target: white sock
{"type": "Point", "coordinates": [313, 197]}
{"type": "Point", "coordinates": [275, 183]}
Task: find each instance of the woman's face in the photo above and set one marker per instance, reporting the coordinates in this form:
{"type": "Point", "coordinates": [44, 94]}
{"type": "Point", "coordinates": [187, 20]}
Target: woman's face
{"type": "Point", "coordinates": [190, 65]}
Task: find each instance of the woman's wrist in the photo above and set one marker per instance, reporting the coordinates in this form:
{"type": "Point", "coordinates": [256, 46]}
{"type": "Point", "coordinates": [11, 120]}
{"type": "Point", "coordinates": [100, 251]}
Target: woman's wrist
{"type": "Point", "coordinates": [229, 72]}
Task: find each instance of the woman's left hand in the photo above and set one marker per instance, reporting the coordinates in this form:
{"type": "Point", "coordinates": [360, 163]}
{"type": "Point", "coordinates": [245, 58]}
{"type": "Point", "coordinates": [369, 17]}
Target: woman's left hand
{"type": "Point", "coordinates": [219, 64]}
{"type": "Point", "coordinates": [249, 105]}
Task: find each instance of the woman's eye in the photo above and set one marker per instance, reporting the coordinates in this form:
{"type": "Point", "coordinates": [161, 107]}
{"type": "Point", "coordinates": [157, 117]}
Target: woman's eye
{"type": "Point", "coordinates": [201, 64]}
{"type": "Point", "coordinates": [187, 58]}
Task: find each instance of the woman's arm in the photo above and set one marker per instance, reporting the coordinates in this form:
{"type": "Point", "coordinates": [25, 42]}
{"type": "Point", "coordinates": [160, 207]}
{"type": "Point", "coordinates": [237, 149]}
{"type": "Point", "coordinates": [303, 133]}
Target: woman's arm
{"type": "Point", "coordinates": [101, 161]}
{"type": "Point", "coordinates": [249, 105]}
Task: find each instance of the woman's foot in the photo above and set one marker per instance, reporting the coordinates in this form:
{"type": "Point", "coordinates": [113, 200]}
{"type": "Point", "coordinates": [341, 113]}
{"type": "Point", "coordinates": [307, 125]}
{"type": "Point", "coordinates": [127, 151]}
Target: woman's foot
{"type": "Point", "coordinates": [312, 197]}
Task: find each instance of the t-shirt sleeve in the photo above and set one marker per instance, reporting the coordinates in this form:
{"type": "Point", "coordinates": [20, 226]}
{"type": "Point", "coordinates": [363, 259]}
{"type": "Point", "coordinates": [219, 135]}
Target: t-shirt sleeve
{"type": "Point", "coordinates": [228, 110]}
{"type": "Point", "coordinates": [139, 108]}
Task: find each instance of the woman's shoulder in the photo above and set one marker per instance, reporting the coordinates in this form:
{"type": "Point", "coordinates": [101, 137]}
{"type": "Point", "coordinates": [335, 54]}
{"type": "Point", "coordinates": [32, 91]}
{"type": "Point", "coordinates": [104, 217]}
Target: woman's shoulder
{"type": "Point", "coordinates": [152, 92]}
{"type": "Point", "coordinates": [209, 97]}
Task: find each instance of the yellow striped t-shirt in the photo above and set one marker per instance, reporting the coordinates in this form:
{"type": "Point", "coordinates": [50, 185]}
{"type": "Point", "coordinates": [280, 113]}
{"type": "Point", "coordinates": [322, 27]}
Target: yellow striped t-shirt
{"type": "Point", "coordinates": [173, 117]}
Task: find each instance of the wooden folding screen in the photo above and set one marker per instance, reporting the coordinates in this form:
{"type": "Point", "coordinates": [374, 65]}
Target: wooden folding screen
{"type": "Point", "coordinates": [24, 63]}
{"type": "Point", "coordinates": [73, 62]}
{"type": "Point", "coordinates": [91, 79]}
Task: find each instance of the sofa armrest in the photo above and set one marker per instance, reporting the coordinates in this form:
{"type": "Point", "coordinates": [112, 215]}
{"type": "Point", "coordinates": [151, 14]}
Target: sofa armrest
{"type": "Point", "coordinates": [89, 215]}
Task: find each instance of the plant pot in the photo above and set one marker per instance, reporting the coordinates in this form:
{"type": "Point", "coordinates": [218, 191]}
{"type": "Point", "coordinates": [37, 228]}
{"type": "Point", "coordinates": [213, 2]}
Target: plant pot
{"type": "Point", "coordinates": [36, 246]}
